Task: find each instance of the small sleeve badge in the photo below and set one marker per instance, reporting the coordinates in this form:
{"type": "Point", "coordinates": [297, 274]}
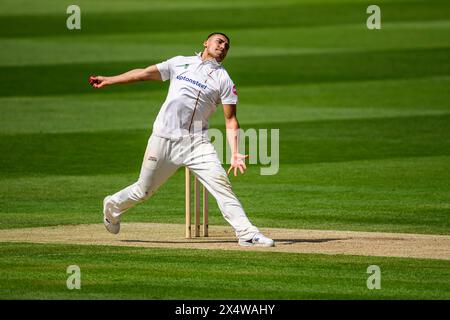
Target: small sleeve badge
{"type": "Point", "coordinates": [234, 90]}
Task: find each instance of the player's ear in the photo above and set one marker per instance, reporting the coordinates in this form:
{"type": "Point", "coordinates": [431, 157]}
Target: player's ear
{"type": "Point", "coordinates": [205, 43]}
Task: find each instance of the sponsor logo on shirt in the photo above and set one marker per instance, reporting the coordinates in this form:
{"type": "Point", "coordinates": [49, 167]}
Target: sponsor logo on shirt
{"type": "Point", "coordinates": [234, 90]}
{"type": "Point", "coordinates": [198, 84]}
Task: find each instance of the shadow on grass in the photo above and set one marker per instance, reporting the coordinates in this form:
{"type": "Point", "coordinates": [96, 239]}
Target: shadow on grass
{"type": "Point", "coordinates": [206, 240]}
{"type": "Point", "coordinates": [292, 241]}
{"type": "Point", "coordinates": [180, 241]}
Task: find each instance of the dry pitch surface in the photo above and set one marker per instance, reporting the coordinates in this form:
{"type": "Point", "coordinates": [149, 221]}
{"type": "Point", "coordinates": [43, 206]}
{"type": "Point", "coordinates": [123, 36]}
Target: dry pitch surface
{"type": "Point", "coordinates": [221, 237]}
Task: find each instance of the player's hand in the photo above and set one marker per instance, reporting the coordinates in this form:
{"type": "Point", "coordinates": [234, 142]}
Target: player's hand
{"type": "Point", "coordinates": [237, 162]}
{"type": "Point", "coordinates": [99, 81]}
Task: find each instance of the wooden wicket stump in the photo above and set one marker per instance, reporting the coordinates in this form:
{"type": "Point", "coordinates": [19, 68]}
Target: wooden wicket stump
{"type": "Point", "coordinates": [197, 187]}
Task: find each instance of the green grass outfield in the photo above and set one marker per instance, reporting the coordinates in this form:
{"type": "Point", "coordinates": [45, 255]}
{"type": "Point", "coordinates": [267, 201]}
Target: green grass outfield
{"type": "Point", "coordinates": [39, 272]}
{"type": "Point", "coordinates": [364, 120]}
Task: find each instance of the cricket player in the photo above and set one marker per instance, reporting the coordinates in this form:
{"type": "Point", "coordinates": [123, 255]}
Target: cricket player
{"type": "Point", "coordinates": [197, 85]}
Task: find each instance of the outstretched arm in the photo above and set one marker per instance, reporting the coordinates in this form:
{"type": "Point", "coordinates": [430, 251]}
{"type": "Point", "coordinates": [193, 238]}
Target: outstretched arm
{"type": "Point", "coordinates": [149, 73]}
{"type": "Point", "coordinates": [237, 160]}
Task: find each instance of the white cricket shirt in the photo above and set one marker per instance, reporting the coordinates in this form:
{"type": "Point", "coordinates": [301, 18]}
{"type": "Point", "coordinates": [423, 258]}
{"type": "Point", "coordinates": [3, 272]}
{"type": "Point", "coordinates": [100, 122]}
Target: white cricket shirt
{"type": "Point", "coordinates": [196, 88]}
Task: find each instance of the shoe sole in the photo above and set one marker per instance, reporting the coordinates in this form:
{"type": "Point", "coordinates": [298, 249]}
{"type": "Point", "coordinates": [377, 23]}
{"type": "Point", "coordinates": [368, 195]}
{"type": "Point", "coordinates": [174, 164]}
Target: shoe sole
{"type": "Point", "coordinates": [246, 244]}
{"type": "Point", "coordinates": [251, 244]}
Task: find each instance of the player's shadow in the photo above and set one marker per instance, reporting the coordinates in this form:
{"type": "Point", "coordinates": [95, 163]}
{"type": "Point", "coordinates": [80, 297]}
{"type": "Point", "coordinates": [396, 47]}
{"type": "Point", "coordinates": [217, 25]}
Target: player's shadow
{"type": "Point", "coordinates": [206, 240]}
{"type": "Point", "coordinates": [175, 242]}
{"type": "Point", "coordinates": [292, 241]}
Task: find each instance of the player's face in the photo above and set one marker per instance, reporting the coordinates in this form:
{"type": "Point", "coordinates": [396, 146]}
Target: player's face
{"type": "Point", "coordinates": [217, 47]}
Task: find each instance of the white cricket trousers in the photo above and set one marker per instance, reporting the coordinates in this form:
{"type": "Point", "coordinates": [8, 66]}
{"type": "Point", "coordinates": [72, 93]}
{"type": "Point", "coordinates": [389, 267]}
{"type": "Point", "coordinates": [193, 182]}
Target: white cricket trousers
{"type": "Point", "coordinates": [163, 157]}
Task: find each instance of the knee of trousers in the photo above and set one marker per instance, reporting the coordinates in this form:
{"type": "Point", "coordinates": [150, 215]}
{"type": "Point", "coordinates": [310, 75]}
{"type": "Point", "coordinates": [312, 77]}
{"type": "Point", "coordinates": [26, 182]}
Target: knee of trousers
{"type": "Point", "coordinates": [232, 208]}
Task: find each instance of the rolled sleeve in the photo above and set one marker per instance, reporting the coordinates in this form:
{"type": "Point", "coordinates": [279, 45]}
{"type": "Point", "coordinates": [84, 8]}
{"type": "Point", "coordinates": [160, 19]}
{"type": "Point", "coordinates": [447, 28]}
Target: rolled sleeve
{"type": "Point", "coordinates": [164, 69]}
{"type": "Point", "coordinates": [228, 93]}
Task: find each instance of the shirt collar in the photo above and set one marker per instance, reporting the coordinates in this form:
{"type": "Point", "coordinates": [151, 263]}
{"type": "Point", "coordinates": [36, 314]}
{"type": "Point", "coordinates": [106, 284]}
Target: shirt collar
{"type": "Point", "coordinates": [213, 61]}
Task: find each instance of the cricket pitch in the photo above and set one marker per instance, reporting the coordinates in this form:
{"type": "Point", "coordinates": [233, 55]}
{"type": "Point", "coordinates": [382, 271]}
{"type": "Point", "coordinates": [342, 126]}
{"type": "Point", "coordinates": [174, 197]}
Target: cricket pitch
{"type": "Point", "coordinates": [222, 238]}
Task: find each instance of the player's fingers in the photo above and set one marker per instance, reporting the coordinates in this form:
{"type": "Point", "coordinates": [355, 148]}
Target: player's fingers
{"type": "Point", "coordinates": [241, 170]}
{"type": "Point", "coordinates": [235, 171]}
{"type": "Point", "coordinates": [229, 170]}
{"type": "Point", "coordinates": [102, 84]}
{"type": "Point", "coordinates": [243, 164]}
{"type": "Point", "coordinates": [94, 79]}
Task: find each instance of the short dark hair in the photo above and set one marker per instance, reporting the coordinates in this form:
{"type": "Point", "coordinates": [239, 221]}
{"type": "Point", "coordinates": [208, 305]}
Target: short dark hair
{"type": "Point", "coordinates": [214, 33]}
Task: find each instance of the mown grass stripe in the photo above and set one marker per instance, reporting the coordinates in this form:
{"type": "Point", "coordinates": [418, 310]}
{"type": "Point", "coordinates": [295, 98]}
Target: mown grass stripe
{"type": "Point", "coordinates": [200, 274]}
{"type": "Point", "coordinates": [394, 195]}
{"type": "Point", "coordinates": [228, 19]}
{"type": "Point", "coordinates": [300, 142]}
{"type": "Point", "coordinates": [270, 70]}
{"type": "Point", "coordinates": [299, 103]}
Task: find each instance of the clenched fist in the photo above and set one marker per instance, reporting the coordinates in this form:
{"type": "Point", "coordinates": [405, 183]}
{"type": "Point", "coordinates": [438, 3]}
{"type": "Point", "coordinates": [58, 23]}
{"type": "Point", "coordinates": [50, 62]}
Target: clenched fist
{"type": "Point", "coordinates": [98, 81]}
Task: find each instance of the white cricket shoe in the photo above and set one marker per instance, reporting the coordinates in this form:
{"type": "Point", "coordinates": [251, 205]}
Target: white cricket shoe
{"type": "Point", "coordinates": [258, 240]}
{"type": "Point", "coordinates": [111, 224]}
